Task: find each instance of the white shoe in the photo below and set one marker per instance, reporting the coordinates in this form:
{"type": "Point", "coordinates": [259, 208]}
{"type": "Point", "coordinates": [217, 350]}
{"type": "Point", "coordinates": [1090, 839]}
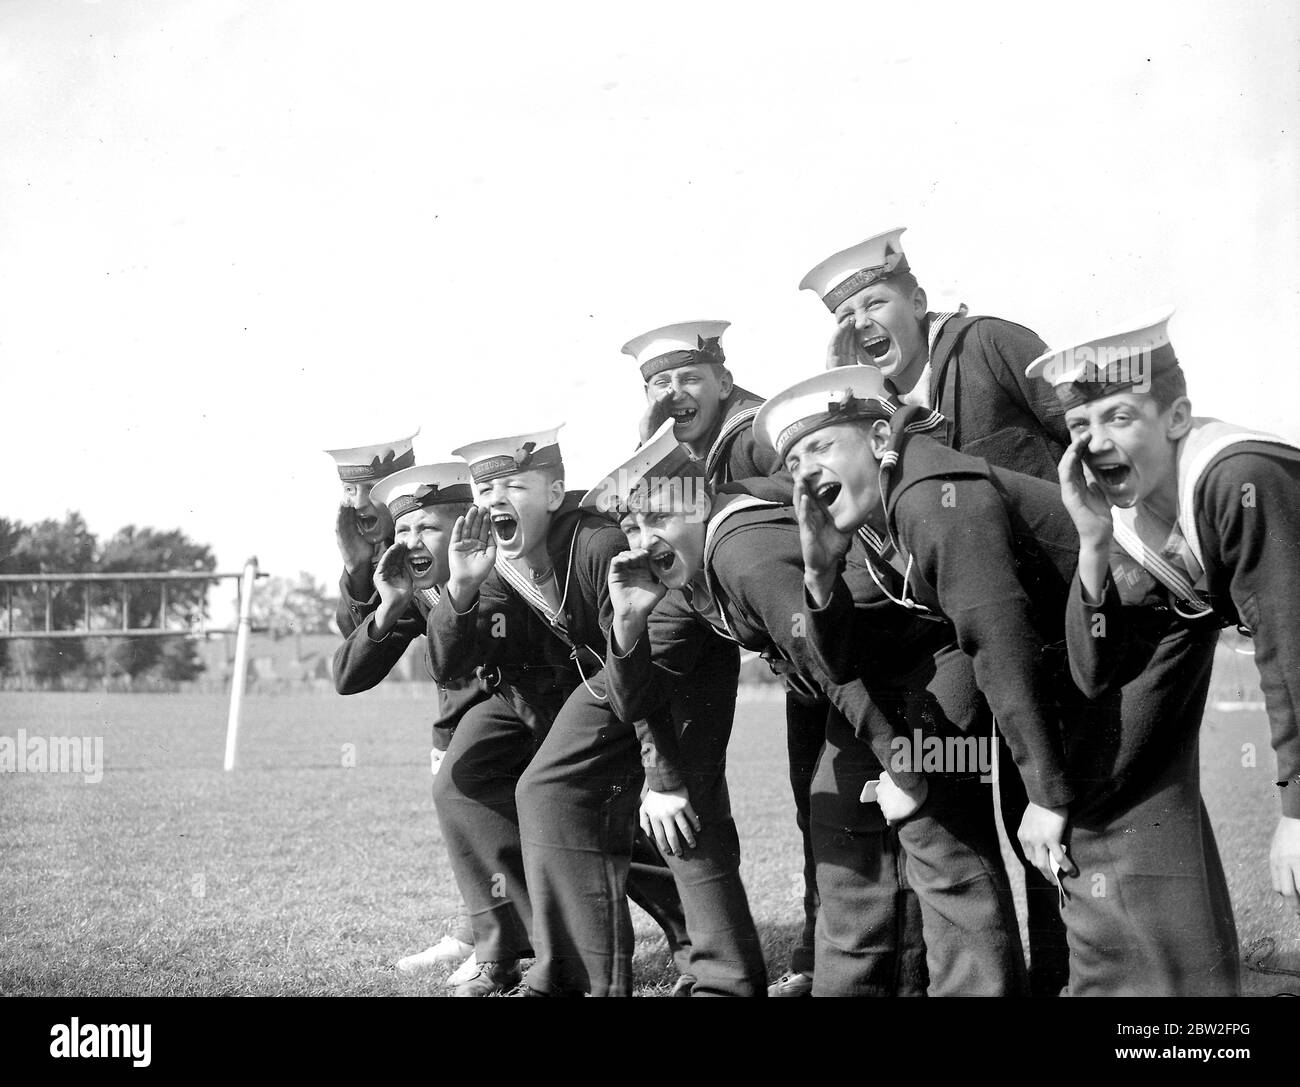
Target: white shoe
{"type": "Point", "coordinates": [446, 950]}
{"type": "Point", "coordinates": [463, 972]}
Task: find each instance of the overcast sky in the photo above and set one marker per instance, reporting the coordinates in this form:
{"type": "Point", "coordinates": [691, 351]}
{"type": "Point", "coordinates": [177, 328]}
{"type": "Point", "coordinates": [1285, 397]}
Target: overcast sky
{"type": "Point", "coordinates": [234, 233]}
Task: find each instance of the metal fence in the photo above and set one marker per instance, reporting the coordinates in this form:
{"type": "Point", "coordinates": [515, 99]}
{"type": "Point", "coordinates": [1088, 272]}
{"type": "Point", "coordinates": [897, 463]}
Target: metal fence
{"type": "Point", "coordinates": [244, 579]}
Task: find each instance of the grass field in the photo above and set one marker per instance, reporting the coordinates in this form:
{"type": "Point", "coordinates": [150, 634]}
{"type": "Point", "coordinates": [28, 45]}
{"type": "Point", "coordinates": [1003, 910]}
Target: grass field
{"type": "Point", "coordinates": [298, 874]}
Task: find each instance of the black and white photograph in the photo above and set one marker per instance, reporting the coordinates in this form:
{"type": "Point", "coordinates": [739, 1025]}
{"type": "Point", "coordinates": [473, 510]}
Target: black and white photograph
{"type": "Point", "coordinates": [690, 500]}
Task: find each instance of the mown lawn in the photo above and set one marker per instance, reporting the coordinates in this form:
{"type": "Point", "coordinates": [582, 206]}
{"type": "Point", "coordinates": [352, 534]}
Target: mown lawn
{"type": "Point", "coordinates": [298, 874]}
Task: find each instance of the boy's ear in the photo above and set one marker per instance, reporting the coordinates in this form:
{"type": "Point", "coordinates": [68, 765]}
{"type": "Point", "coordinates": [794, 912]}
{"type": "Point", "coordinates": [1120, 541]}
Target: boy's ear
{"type": "Point", "coordinates": [554, 495]}
{"type": "Point", "coordinates": [725, 381]}
{"type": "Point", "coordinates": [1179, 419]}
{"type": "Point", "coordinates": [920, 304]}
{"type": "Point", "coordinates": [878, 437]}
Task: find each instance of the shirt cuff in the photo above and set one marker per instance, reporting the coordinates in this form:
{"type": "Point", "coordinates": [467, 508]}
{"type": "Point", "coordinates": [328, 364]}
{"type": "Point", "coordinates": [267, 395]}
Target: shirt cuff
{"type": "Point", "coordinates": [613, 649]}
{"type": "Point", "coordinates": [473, 607]}
{"type": "Point", "coordinates": [1291, 799]}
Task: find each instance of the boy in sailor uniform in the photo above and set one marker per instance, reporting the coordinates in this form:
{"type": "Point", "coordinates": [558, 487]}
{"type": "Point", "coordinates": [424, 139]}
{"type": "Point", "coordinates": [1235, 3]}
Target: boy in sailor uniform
{"type": "Point", "coordinates": [540, 802]}
{"type": "Point", "coordinates": [991, 551]}
{"type": "Point", "coordinates": [683, 366]}
{"type": "Point", "coordinates": [970, 369]}
{"type": "Point", "coordinates": [686, 379]}
{"type": "Point", "coordinates": [363, 531]}
{"type": "Point", "coordinates": [423, 502]}
{"type": "Point", "coordinates": [686, 805]}
{"type": "Point", "coordinates": [737, 562]}
{"type": "Point", "coordinates": [363, 528]}
{"type": "Point", "coordinates": [1208, 513]}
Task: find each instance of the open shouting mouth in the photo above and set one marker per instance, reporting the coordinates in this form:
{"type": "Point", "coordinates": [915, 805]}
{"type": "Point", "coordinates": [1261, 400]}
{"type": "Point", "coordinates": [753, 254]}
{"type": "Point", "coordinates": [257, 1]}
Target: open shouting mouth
{"type": "Point", "coordinates": [827, 493]}
{"type": "Point", "coordinates": [662, 561]}
{"type": "Point", "coordinates": [683, 417]}
{"type": "Point", "coordinates": [876, 347]}
{"type": "Point", "coordinates": [504, 527]}
{"type": "Point", "coordinates": [419, 564]}
{"type": "Point", "coordinates": [367, 522]}
{"type": "Point", "coordinates": [1113, 476]}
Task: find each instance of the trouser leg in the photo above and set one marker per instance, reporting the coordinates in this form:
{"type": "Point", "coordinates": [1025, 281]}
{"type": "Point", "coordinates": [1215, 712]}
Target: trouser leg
{"type": "Point", "coordinates": [577, 806]}
{"type": "Point", "coordinates": [805, 735]}
{"type": "Point", "coordinates": [1049, 953]}
{"type": "Point", "coordinates": [651, 884]}
{"type": "Point", "coordinates": [1148, 913]}
{"type": "Point", "coordinates": [460, 928]}
{"type": "Point", "coordinates": [474, 794]}
{"type": "Point", "coordinates": [868, 940]}
{"type": "Point", "coordinates": [954, 864]}
{"type": "Point", "coordinates": [726, 952]}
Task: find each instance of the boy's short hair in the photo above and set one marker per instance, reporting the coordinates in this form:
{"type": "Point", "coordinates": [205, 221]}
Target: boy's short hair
{"type": "Point", "coordinates": [552, 473]}
{"type": "Point", "coordinates": [904, 282]}
{"type": "Point", "coordinates": [1167, 386]}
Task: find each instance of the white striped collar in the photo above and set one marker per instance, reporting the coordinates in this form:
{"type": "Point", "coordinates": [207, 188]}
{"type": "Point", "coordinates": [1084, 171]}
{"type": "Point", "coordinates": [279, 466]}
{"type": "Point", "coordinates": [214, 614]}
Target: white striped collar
{"type": "Point", "coordinates": [736, 423]}
{"type": "Point", "coordinates": [1162, 570]}
{"type": "Point", "coordinates": [533, 596]}
{"type": "Point", "coordinates": [921, 395]}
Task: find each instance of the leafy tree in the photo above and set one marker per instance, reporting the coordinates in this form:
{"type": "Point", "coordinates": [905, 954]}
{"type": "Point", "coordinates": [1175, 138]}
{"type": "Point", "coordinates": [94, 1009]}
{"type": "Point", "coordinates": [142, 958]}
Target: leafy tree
{"type": "Point", "coordinates": [300, 605]}
{"type": "Point", "coordinates": [48, 547]}
{"type": "Point", "coordinates": [148, 550]}
{"type": "Point", "coordinates": [55, 547]}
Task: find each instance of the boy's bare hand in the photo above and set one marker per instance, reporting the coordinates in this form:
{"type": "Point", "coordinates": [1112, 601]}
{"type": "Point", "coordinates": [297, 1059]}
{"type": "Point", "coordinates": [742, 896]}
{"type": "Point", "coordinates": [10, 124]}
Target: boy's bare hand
{"type": "Point", "coordinates": [669, 818]}
{"type": "Point", "coordinates": [653, 418]}
{"type": "Point", "coordinates": [354, 547]}
{"type": "Point", "coordinates": [470, 555]}
{"type": "Point", "coordinates": [824, 546]}
{"type": "Point", "coordinates": [1084, 501]}
{"type": "Point", "coordinates": [843, 349]}
{"type": "Point", "coordinates": [1284, 862]}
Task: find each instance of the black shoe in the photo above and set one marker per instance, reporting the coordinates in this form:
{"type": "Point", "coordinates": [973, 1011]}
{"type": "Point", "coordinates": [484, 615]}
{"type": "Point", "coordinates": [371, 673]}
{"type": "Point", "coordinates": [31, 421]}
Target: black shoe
{"type": "Point", "coordinates": [492, 979]}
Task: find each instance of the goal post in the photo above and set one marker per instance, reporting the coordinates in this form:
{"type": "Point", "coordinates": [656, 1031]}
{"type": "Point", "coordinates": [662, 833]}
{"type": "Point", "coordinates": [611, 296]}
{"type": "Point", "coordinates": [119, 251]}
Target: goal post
{"type": "Point", "coordinates": [240, 676]}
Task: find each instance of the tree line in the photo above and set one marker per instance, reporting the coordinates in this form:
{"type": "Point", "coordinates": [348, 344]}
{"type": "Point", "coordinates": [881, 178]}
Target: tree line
{"type": "Point", "coordinates": [52, 546]}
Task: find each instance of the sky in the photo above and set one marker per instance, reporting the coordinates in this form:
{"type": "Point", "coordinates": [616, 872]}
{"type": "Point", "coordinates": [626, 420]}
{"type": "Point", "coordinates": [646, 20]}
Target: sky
{"type": "Point", "coordinates": [233, 233]}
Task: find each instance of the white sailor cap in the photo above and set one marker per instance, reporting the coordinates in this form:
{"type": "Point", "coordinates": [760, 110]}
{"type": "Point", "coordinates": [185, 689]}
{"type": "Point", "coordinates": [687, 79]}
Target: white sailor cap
{"type": "Point", "coordinates": [661, 460]}
{"type": "Point", "coordinates": [1127, 356]}
{"type": "Point", "coordinates": [423, 486]}
{"type": "Point", "coordinates": [366, 463]}
{"type": "Point", "coordinates": [833, 396]}
{"type": "Point", "coordinates": [676, 345]}
{"type": "Point", "coordinates": [498, 457]}
{"type": "Point", "coordinates": [843, 274]}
